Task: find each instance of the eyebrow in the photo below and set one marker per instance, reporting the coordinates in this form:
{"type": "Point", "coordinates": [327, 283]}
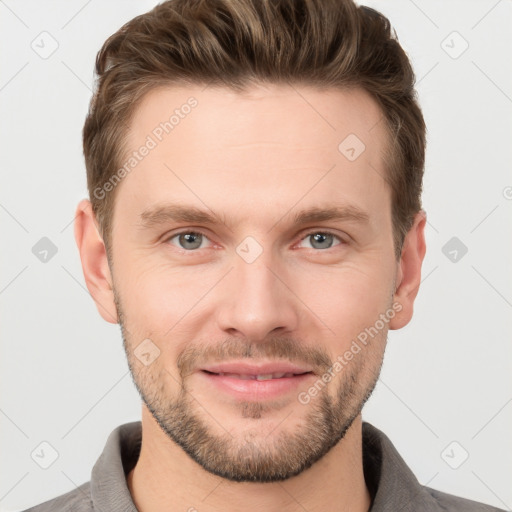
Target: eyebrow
{"type": "Point", "coordinates": [158, 215]}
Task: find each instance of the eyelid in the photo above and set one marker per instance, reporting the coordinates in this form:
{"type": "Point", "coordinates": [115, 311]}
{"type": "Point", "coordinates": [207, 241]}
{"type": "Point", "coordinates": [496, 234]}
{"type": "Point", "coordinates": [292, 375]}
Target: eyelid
{"type": "Point", "coordinates": [169, 236]}
{"type": "Point", "coordinates": [311, 231]}
{"type": "Point", "coordinates": [324, 232]}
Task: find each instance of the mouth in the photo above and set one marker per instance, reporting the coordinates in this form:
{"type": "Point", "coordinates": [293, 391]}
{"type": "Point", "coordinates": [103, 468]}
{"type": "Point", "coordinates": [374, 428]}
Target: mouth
{"type": "Point", "coordinates": [267, 370]}
{"type": "Point", "coordinates": [255, 382]}
{"type": "Point", "coordinates": [261, 376]}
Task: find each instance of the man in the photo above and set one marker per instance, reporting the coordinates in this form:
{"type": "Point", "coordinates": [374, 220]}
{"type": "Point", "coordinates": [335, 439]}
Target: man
{"type": "Point", "coordinates": [255, 227]}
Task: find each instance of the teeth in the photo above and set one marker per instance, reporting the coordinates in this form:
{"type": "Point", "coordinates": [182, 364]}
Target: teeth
{"type": "Point", "coordinates": [266, 376]}
{"type": "Point", "coordinates": [238, 376]}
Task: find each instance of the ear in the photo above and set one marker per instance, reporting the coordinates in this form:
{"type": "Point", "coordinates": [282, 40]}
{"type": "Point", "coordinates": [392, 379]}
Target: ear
{"type": "Point", "coordinates": [94, 261]}
{"type": "Point", "coordinates": [409, 272]}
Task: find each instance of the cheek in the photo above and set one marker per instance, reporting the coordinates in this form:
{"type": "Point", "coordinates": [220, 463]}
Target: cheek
{"type": "Point", "coordinates": [173, 304]}
{"type": "Point", "coordinates": [353, 286]}
{"type": "Point", "coordinates": [346, 300]}
{"type": "Point", "coordinates": [164, 302]}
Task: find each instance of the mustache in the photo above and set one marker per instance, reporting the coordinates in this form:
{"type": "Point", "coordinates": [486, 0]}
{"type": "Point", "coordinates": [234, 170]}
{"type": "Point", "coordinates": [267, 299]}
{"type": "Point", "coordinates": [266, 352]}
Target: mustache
{"type": "Point", "coordinates": [286, 349]}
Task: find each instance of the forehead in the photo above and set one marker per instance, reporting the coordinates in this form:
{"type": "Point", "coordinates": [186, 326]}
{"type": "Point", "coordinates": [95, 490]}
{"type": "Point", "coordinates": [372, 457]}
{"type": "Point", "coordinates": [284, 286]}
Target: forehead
{"type": "Point", "coordinates": [275, 114]}
{"type": "Point", "coordinates": [277, 141]}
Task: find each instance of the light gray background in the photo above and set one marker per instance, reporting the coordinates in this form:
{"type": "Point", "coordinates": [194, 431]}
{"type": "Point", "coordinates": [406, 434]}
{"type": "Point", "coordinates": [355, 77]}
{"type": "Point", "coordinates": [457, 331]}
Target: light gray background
{"type": "Point", "coordinates": [446, 375]}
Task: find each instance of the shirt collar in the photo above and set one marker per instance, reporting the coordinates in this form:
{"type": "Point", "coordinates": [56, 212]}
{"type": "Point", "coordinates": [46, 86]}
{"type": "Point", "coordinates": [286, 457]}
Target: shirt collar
{"type": "Point", "coordinates": [109, 489]}
{"type": "Point", "coordinates": [391, 483]}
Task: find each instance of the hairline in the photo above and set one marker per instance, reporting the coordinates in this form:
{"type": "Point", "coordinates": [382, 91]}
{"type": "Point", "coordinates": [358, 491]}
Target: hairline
{"type": "Point", "coordinates": [388, 153]}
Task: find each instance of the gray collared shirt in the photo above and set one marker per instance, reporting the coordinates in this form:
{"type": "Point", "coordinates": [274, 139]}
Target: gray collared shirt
{"type": "Point", "coordinates": [391, 483]}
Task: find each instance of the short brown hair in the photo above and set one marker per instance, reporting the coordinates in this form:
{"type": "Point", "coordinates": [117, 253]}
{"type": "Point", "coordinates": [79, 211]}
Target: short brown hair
{"type": "Point", "coordinates": [237, 43]}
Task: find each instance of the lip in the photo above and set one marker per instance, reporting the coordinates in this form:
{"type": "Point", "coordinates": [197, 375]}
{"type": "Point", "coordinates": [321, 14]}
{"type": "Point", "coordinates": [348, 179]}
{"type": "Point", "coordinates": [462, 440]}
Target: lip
{"type": "Point", "coordinates": [251, 389]}
{"type": "Point", "coordinates": [244, 368]}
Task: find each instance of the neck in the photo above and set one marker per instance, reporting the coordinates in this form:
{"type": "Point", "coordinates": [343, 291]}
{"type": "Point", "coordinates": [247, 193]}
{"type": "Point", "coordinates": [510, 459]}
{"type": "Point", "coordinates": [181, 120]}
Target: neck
{"type": "Point", "coordinates": [166, 479]}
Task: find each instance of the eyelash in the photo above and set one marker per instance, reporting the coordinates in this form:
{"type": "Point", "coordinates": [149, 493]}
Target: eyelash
{"type": "Point", "coordinates": [309, 233]}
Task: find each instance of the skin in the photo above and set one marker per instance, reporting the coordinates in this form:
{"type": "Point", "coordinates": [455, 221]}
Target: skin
{"type": "Point", "coordinates": [253, 159]}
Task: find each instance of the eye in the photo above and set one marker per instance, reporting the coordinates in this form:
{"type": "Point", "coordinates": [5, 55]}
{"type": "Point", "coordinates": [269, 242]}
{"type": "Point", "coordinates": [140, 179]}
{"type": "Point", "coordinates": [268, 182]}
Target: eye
{"type": "Point", "coordinates": [322, 239]}
{"type": "Point", "coordinates": [188, 240]}
{"type": "Point", "coordinates": [193, 240]}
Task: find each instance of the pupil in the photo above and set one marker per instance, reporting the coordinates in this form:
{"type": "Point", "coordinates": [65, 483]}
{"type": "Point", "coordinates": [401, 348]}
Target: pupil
{"type": "Point", "coordinates": [191, 238]}
{"type": "Point", "coordinates": [320, 238]}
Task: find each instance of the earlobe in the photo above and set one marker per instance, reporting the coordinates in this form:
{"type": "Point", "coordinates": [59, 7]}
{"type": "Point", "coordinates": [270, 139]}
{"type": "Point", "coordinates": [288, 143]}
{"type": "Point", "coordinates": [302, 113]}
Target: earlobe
{"type": "Point", "coordinates": [409, 272]}
{"type": "Point", "coordinates": [93, 256]}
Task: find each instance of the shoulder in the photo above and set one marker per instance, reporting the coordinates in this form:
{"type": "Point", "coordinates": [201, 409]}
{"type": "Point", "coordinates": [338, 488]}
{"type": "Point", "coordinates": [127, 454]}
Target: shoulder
{"type": "Point", "coordinates": [449, 503]}
{"type": "Point", "coordinates": [394, 486]}
{"type": "Point", "coordinates": [76, 500]}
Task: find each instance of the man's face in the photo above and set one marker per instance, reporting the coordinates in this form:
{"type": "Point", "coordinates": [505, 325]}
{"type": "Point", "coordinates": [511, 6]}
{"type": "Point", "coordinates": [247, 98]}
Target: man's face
{"type": "Point", "coordinates": [254, 287]}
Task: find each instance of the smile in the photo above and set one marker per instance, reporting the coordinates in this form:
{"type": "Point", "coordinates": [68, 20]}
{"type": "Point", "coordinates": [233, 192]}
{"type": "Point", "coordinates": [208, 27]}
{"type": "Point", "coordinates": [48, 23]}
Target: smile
{"type": "Point", "coordinates": [266, 376]}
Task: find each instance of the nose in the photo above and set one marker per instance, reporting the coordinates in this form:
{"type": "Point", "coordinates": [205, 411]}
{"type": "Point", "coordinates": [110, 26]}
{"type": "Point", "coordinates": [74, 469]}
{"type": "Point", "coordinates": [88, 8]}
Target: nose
{"type": "Point", "coordinates": [257, 299]}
